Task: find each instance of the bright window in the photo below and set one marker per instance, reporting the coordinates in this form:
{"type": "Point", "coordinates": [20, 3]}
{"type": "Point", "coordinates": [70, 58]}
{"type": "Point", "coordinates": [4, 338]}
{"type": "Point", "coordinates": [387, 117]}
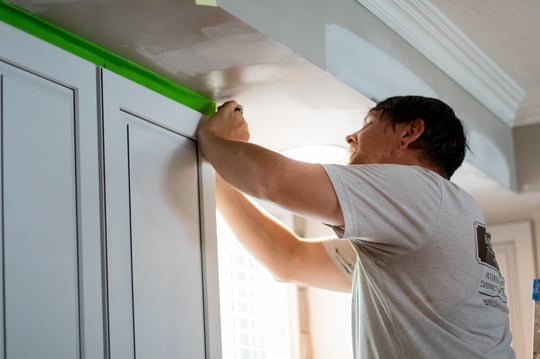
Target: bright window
{"type": "Point", "coordinates": [258, 313]}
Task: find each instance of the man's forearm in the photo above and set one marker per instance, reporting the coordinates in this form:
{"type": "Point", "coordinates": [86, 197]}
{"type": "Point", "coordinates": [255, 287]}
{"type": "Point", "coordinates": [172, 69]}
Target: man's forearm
{"type": "Point", "coordinates": [287, 256]}
{"type": "Point", "coordinates": [264, 237]}
{"type": "Point", "coordinates": [247, 166]}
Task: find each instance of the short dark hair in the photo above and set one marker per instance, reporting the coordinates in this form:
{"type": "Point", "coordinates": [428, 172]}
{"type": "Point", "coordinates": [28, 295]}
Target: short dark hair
{"type": "Point", "coordinates": [443, 143]}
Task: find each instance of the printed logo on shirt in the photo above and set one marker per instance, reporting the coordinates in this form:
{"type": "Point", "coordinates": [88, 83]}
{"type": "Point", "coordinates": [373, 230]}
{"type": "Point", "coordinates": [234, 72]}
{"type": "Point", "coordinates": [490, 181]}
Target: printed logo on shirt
{"type": "Point", "coordinates": [491, 286]}
{"type": "Point", "coordinates": [492, 290]}
{"type": "Point", "coordinates": [484, 252]}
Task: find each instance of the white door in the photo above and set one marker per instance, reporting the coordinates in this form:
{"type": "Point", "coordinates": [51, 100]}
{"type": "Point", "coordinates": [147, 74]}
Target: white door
{"type": "Point", "coordinates": [156, 248]}
{"type": "Point", "coordinates": [513, 246]}
{"type": "Point", "coordinates": [49, 202]}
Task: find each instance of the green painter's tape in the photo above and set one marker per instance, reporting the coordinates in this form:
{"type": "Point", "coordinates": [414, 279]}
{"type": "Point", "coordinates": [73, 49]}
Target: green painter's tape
{"type": "Point", "coordinates": [32, 24]}
{"type": "Point", "coordinates": [206, 2]}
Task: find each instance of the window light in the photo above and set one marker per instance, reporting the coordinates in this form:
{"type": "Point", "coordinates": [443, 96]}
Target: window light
{"type": "Point", "coordinates": [317, 153]}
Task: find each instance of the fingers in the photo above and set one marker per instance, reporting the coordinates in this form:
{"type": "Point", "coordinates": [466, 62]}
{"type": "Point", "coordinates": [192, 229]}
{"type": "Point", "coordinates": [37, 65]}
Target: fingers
{"type": "Point", "coordinates": [229, 122]}
{"type": "Point", "coordinates": [231, 107]}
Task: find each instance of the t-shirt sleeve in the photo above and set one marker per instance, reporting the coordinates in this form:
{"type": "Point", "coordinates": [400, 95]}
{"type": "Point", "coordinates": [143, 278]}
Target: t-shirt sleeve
{"type": "Point", "coordinates": [391, 209]}
{"type": "Point", "coordinates": [342, 254]}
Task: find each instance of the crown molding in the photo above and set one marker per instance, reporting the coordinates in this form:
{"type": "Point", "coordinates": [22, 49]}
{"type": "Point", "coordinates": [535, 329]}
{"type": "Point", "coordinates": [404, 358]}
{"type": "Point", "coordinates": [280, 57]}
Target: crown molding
{"type": "Point", "coordinates": [429, 31]}
{"type": "Point", "coordinates": [529, 110]}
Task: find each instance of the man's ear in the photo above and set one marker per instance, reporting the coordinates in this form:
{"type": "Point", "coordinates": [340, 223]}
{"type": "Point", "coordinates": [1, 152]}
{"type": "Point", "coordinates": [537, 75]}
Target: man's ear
{"type": "Point", "coordinates": [411, 132]}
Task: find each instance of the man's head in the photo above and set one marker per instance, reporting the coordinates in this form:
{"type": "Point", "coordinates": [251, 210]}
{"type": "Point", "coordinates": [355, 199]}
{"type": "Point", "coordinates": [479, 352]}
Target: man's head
{"type": "Point", "coordinates": [435, 133]}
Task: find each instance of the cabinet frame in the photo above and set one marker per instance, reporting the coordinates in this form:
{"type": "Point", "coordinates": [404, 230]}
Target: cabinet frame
{"type": "Point", "coordinates": [129, 102]}
{"type": "Point", "coordinates": [25, 52]}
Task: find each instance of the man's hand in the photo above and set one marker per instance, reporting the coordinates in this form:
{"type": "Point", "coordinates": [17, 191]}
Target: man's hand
{"type": "Point", "coordinates": [228, 123]}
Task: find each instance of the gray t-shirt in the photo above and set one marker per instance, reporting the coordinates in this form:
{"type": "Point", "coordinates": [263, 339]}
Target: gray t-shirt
{"type": "Point", "coordinates": [426, 283]}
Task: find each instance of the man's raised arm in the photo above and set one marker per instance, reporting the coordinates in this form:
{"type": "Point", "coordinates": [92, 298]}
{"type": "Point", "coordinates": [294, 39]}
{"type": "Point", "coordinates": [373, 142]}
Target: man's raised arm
{"type": "Point", "coordinates": [302, 188]}
{"type": "Point", "coordinates": [287, 256]}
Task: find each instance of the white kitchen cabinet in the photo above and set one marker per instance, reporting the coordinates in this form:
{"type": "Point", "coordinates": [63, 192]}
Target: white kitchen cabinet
{"type": "Point", "coordinates": [156, 257]}
{"type": "Point", "coordinates": [50, 238]}
{"type": "Point", "coordinates": [108, 216]}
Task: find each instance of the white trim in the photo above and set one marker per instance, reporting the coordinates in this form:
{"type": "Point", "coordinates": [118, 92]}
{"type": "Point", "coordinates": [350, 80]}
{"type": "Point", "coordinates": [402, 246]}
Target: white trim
{"type": "Point", "coordinates": [421, 24]}
{"type": "Point", "coordinates": [529, 111]}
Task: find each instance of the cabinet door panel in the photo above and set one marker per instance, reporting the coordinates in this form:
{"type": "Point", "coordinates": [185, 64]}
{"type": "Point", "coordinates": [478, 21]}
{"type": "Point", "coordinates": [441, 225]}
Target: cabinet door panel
{"type": "Point", "coordinates": [51, 303]}
{"type": "Point", "coordinates": [158, 262]}
{"type": "Point", "coordinates": [167, 272]}
{"type": "Point", "coordinates": [41, 282]}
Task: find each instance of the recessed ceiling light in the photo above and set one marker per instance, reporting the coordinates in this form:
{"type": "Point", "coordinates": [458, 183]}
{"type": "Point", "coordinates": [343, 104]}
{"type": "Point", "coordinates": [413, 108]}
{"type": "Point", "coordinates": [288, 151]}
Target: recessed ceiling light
{"type": "Point", "coordinates": [317, 153]}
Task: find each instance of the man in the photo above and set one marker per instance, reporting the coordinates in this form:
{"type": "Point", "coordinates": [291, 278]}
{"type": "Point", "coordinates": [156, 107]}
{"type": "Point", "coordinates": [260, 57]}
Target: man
{"type": "Point", "coordinates": [425, 281]}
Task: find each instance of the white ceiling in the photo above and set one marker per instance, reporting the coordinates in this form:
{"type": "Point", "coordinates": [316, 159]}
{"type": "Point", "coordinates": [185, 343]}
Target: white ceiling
{"type": "Point", "coordinates": [490, 48]}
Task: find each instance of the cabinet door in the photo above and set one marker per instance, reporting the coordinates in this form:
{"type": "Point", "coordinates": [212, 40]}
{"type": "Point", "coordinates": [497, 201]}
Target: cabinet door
{"type": "Point", "coordinates": [513, 246]}
{"type": "Point", "coordinates": [51, 280]}
{"type": "Point", "coordinates": [159, 258]}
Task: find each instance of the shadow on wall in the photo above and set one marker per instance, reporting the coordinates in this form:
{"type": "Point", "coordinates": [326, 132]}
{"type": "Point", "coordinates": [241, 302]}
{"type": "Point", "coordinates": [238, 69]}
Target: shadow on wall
{"type": "Point", "coordinates": [483, 150]}
{"type": "Point", "coordinates": [367, 68]}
